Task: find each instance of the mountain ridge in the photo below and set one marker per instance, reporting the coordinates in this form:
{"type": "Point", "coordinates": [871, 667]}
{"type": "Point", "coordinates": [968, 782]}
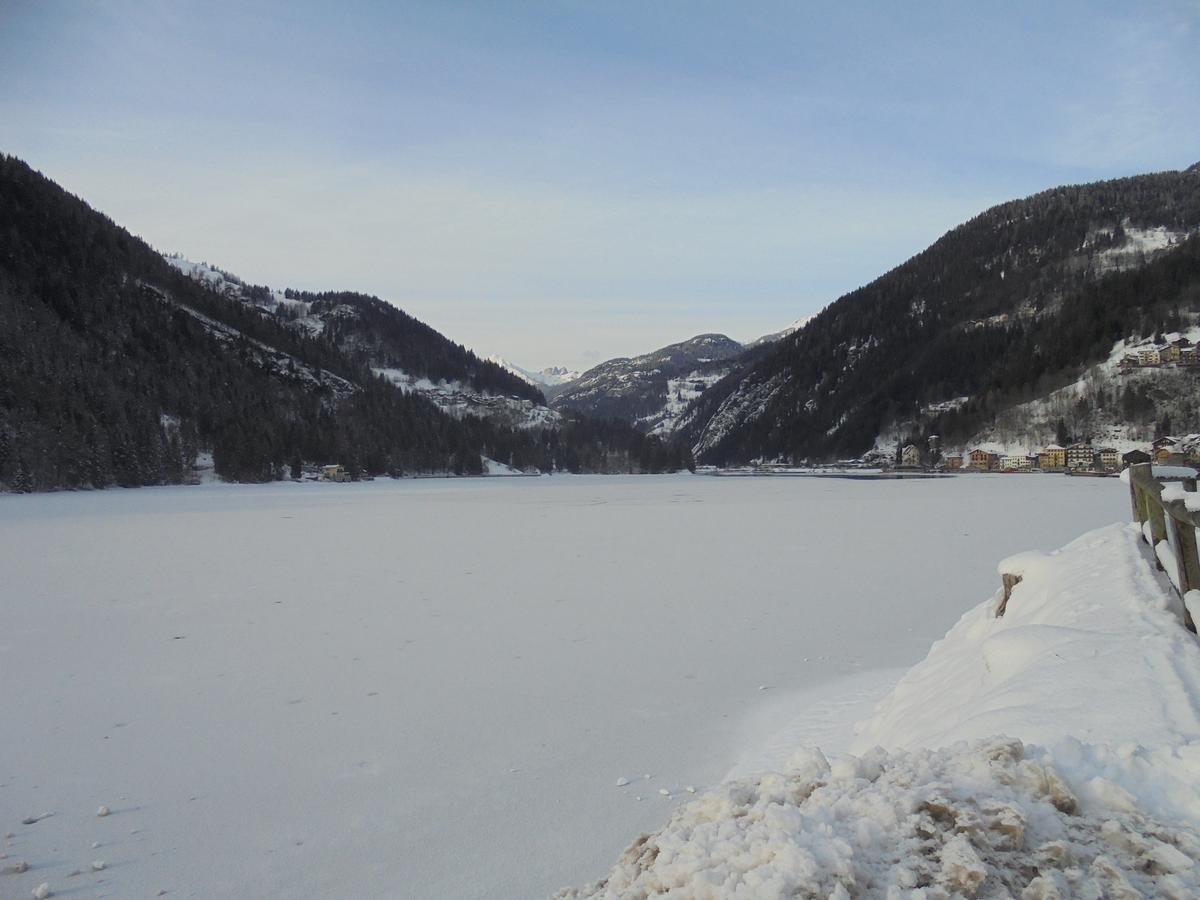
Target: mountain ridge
{"type": "Point", "coordinates": [939, 325]}
{"type": "Point", "coordinates": [117, 367]}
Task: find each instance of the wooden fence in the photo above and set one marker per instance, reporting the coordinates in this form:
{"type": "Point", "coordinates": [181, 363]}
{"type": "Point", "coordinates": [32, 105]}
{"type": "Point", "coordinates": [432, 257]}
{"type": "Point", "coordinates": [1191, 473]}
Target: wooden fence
{"type": "Point", "coordinates": [1168, 526]}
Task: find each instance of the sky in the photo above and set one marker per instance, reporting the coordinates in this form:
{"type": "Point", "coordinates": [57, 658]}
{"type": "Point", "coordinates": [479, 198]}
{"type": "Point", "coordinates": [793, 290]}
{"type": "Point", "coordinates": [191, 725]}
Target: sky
{"type": "Point", "coordinates": [561, 183]}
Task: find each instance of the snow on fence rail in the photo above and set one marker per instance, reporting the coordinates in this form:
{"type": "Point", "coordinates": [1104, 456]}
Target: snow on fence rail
{"type": "Point", "coordinates": [1167, 507]}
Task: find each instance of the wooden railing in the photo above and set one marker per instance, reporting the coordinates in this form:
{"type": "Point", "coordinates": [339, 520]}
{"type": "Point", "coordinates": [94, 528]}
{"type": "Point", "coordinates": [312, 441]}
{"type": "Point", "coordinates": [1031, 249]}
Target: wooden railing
{"type": "Point", "coordinates": [1168, 526]}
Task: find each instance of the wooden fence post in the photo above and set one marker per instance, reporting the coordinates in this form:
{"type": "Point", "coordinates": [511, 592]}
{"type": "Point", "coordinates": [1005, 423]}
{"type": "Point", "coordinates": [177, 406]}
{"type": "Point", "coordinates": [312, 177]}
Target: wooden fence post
{"type": "Point", "coordinates": [1170, 521]}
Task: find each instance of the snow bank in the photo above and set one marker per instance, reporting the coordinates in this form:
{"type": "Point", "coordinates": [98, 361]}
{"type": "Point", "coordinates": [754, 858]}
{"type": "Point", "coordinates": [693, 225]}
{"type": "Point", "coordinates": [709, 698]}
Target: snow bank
{"type": "Point", "coordinates": [1094, 790]}
{"type": "Point", "coordinates": [1090, 661]}
{"type": "Point", "coordinates": [983, 819]}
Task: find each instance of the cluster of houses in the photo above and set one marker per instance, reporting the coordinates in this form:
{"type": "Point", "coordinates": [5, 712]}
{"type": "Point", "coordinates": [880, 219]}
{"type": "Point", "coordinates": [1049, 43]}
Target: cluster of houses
{"type": "Point", "coordinates": [1179, 352]}
{"type": "Point", "coordinates": [1075, 458]}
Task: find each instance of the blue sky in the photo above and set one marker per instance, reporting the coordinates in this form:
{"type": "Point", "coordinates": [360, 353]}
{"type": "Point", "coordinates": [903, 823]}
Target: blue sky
{"type": "Point", "coordinates": [565, 182]}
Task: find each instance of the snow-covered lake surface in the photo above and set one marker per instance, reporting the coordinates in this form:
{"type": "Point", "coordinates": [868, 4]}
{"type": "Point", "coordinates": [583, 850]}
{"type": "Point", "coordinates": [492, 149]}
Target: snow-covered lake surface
{"type": "Point", "coordinates": [431, 688]}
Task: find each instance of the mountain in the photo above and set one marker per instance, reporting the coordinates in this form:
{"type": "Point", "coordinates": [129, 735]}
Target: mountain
{"type": "Point", "coordinates": [549, 380]}
{"type": "Point", "coordinates": [776, 336]}
{"type": "Point", "coordinates": [394, 345]}
{"type": "Point", "coordinates": [651, 388]}
{"type": "Point", "coordinates": [118, 367]}
{"type": "Point", "coordinates": [1011, 306]}
{"type": "Point", "coordinates": [369, 331]}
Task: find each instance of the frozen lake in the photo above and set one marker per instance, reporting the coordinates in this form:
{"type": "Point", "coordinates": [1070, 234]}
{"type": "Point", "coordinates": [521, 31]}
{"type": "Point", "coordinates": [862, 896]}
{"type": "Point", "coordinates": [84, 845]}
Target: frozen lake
{"type": "Point", "coordinates": [430, 688]}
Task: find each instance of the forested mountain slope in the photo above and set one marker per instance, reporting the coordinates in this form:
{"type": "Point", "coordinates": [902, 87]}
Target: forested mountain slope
{"type": "Point", "coordinates": [639, 389]}
{"type": "Point", "coordinates": [368, 331]}
{"type": "Point", "coordinates": [1007, 306]}
{"type": "Point", "coordinates": [117, 368]}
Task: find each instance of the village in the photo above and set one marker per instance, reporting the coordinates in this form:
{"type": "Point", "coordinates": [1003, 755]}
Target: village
{"type": "Point", "coordinates": [1075, 459]}
{"type": "Point", "coordinates": [1177, 351]}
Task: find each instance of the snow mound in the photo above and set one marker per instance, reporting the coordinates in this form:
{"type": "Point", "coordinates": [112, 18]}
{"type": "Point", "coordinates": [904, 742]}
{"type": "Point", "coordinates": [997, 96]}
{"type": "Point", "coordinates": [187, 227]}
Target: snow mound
{"type": "Point", "coordinates": [1092, 789]}
{"type": "Point", "coordinates": [1090, 661]}
{"type": "Point", "coordinates": [985, 819]}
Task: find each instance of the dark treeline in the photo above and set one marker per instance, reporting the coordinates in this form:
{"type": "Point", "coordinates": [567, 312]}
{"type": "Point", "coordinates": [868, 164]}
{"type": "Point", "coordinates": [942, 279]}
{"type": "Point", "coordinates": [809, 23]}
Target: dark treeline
{"type": "Point", "coordinates": [921, 333]}
{"type": "Point", "coordinates": [115, 369]}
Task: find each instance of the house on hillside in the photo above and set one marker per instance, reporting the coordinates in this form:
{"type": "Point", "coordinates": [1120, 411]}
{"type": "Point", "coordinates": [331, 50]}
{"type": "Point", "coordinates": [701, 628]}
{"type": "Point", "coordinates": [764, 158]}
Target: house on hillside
{"type": "Point", "coordinates": [952, 462]}
{"type": "Point", "coordinates": [1168, 451]}
{"type": "Point", "coordinates": [1149, 356]}
{"type": "Point", "coordinates": [1189, 446]}
{"type": "Point", "coordinates": [1163, 448]}
{"type": "Point", "coordinates": [1128, 361]}
{"type": "Point", "coordinates": [1110, 459]}
{"type": "Point", "coordinates": [1053, 457]}
{"type": "Point", "coordinates": [910, 457]}
{"type": "Point", "coordinates": [335, 472]}
{"type": "Point", "coordinates": [1014, 463]}
{"type": "Point", "coordinates": [1173, 352]}
{"type": "Point", "coordinates": [1080, 456]}
{"type": "Point", "coordinates": [1133, 457]}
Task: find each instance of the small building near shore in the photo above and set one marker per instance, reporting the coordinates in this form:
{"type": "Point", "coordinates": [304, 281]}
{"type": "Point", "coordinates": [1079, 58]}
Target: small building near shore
{"type": "Point", "coordinates": [335, 472]}
{"type": "Point", "coordinates": [1053, 457]}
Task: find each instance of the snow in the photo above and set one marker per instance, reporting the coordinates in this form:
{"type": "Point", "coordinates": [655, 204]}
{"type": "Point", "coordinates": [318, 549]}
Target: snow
{"type": "Point", "coordinates": [992, 768]}
{"type": "Point", "coordinates": [1140, 245]}
{"type": "Point", "coordinates": [774, 336]}
{"type": "Point", "coordinates": [988, 819]}
{"type": "Point", "coordinates": [680, 392]}
{"type": "Point", "coordinates": [430, 687]}
{"type": "Point", "coordinates": [492, 467]}
{"type": "Point", "coordinates": [457, 399]}
{"type": "Point", "coordinates": [1174, 471]}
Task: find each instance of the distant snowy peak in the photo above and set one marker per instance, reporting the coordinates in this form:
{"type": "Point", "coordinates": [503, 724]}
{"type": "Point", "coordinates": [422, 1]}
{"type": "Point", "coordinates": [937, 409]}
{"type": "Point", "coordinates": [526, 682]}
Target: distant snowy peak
{"type": "Point", "coordinates": [551, 376]}
{"type": "Point", "coordinates": [782, 333]}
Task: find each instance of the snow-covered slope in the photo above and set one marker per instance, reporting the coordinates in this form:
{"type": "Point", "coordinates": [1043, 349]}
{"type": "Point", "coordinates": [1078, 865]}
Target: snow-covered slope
{"type": "Point", "coordinates": [458, 399]}
{"type": "Point", "coordinates": [781, 333]}
{"type": "Point", "coordinates": [1050, 753]}
{"type": "Point", "coordinates": [266, 299]}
